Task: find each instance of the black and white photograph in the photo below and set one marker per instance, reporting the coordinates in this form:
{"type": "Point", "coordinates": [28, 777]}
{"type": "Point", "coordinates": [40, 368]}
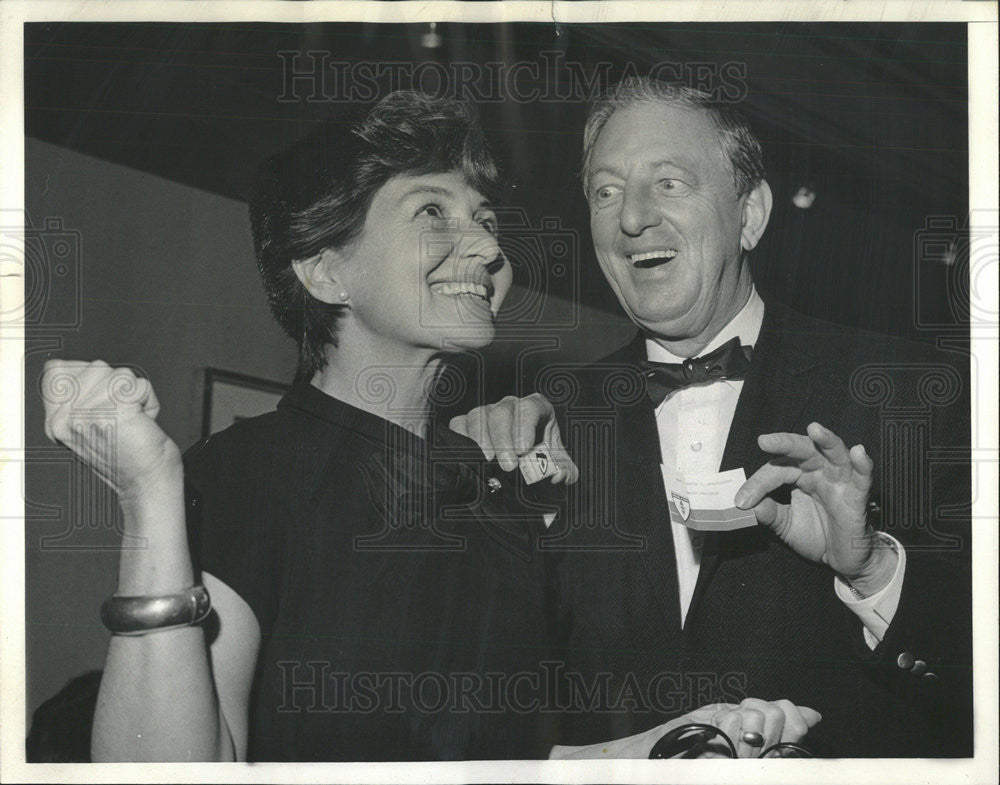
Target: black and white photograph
{"type": "Point", "coordinates": [499, 392]}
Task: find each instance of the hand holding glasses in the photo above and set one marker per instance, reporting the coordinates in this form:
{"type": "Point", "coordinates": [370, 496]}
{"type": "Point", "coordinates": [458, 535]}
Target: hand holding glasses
{"type": "Point", "coordinates": [698, 740]}
{"type": "Point", "coordinates": [760, 729]}
{"type": "Point", "coordinates": [753, 729]}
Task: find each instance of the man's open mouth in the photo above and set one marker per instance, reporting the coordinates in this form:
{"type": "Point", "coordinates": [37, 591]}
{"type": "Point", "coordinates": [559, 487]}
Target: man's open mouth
{"type": "Point", "coordinates": [463, 289]}
{"type": "Point", "coordinates": [651, 258]}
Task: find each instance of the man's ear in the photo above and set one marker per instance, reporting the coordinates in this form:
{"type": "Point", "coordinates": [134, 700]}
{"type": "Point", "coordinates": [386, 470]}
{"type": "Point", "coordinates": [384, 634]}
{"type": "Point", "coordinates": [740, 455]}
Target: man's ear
{"type": "Point", "coordinates": [756, 212]}
{"type": "Point", "coordinates": [318, 275]}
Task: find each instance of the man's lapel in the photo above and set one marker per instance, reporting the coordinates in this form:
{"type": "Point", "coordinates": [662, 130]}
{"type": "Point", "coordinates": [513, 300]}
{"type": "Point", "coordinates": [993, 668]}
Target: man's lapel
{"type": "Point", "coordinates": [778, 387]}
{"type": "Point", "coordinates": [642, 503]}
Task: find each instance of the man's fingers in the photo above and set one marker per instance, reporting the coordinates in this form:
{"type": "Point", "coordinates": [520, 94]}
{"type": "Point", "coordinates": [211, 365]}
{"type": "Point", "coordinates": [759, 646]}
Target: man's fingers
{"type": "Point", "coordinates": [529, 414]}
{"type": "Point", "coordinates": [510, 428]}
{"type": "Point", "coordinates": [863, 467]}
{"type": "Point", "coordinates": [861, 461]}
{"type": "Point", "coordinates": [475, 429]}
{"type": "Point", "coordinates": [515, 425]}
{"type": "Point", "coordinates": [532, 415]}
{"type": "Point", "coordinates": [773, 515]}
{"type": "Point", "coordinates": [767, 478]}
{"type": "Point", "coordinates": [829, 444]}
{"type": "Point", "coordinates": [460, 424]}
{"type": "Point", "coordinates": [499, 422]}
{"type": "Point", "coordinates": [788, 445]}
{"type": "Point", "coordinates": [568, 471]}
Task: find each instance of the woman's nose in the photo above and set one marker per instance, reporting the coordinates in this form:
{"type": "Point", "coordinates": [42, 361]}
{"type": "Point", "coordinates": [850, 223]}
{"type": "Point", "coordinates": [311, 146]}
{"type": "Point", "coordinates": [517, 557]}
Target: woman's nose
{"type": "Point", "coordinates": [478, 245]}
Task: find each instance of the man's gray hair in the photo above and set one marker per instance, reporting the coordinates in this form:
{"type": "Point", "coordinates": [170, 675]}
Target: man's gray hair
{"type": "Point", "coordinates": [735, 135]}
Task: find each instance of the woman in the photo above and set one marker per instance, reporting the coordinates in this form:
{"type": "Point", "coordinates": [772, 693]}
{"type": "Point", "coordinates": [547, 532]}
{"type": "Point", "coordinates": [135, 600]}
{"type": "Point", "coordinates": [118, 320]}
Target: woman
{"type": "Point", "coordinates": [370, 599]}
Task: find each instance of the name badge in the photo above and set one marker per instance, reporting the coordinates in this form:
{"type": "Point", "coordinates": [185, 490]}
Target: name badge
{"type": "Point", "coordinates": [704, 502]}
{"type": "Point", "coordinates": [537, 464]}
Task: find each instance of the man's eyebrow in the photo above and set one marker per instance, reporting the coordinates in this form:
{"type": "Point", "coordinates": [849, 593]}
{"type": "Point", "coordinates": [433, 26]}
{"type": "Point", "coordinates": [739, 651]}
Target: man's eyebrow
{"type": "Point", "coordinates": [672, 163]}
{"type": "Point", "coordinates": [604, 170]}
{"type": "Point", "coordinates": [665, 163]}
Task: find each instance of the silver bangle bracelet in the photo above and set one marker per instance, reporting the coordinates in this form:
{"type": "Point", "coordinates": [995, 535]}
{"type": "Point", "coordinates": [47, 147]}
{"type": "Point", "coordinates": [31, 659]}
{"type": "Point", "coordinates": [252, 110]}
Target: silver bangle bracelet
{"type": "Point", "coordinates": [139, 615]}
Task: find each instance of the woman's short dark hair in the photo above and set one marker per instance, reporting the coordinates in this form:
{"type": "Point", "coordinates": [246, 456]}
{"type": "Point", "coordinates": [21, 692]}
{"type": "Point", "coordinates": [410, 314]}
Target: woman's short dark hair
{"type": "Point", "coordinates": [316, 194]}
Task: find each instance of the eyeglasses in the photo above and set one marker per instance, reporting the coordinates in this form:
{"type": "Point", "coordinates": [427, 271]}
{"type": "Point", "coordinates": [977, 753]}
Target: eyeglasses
{"type": "Point", "coordinates": [688, 741]}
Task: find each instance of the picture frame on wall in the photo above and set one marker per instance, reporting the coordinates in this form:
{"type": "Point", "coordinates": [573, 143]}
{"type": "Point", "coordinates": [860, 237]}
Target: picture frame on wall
{"type": "Point", "coordinates": [230, 397]}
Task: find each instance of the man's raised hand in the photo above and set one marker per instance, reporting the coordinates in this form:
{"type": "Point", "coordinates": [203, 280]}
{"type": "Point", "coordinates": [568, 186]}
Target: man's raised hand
{"type": "Point", "coordinates": [825, 521]}
{"type": "Point", "coordinates": [509, 429]}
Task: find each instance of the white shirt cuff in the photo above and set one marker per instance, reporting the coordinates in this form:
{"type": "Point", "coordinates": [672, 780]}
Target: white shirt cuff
{"type": "Point", "coordinates": [876, 612]}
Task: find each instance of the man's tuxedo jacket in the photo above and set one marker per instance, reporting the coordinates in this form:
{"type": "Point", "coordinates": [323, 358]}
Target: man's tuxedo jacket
{"type": "Point", "coordinates": [763, 622]}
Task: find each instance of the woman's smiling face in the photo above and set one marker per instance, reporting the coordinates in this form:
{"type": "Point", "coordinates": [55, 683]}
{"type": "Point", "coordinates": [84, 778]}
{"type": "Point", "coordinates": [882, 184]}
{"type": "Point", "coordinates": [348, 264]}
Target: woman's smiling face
{"type": "Point", "coordinates": [426, 270]}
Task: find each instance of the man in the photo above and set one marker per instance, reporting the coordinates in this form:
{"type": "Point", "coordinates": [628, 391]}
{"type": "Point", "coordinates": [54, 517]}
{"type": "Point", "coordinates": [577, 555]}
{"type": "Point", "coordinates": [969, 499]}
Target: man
{"type": "Point", "coordinates": [814, 605]}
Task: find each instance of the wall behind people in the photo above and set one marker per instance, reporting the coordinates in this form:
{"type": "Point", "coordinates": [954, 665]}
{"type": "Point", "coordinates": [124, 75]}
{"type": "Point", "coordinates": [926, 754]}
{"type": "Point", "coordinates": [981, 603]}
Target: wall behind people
{"type": "Point", "coordinates": [167, 284]}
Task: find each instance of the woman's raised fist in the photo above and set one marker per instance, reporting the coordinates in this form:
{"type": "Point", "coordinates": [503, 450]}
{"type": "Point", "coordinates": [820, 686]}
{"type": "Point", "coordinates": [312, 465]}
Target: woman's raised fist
{"type": "Point", "coordinates": [107, 417]}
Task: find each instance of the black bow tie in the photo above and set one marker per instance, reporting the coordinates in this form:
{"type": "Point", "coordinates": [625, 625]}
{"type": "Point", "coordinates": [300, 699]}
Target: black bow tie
{"type": "Point", "coordinates": [729, 361]}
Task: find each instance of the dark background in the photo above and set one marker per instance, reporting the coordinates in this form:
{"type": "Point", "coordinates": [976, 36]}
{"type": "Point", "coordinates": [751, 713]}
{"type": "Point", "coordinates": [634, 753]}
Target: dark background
{"type": "Point", "coordinates": [142, 140]}
{"type": "Point", "coordinates": [872, 117]}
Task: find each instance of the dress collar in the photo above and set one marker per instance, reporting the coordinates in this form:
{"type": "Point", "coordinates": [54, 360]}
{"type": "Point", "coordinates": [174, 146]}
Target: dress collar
{"type": "Point", "coordinates": [307, 398]}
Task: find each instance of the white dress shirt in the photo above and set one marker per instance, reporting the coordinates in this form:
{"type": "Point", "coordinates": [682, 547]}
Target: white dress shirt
{"type": "Point", "coordinates": [693, 425]}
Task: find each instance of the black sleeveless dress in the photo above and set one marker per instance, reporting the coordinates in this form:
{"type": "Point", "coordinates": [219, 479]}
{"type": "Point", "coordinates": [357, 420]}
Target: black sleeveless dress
{"type": "Point", "coordinates": [399, 590]}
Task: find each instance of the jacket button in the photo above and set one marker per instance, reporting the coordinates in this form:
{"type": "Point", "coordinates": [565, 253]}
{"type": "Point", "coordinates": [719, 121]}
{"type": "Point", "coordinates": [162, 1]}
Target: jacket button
{"type": "Point", "coordinates": [905, 660]}
{"type": "Point", "coordinates": [918, 668]}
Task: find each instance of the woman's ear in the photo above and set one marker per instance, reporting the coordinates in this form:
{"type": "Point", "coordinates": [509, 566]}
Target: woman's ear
{"type": "Point", "coordinates": [318, 275]}
{"type": "Point", "coordinates": [756, 212]}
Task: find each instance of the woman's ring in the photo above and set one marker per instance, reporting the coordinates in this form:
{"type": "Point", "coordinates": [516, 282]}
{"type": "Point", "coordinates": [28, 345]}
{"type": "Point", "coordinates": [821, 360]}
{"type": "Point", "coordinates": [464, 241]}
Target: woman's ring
{"type": "Point", "coordinates": [752, 738]}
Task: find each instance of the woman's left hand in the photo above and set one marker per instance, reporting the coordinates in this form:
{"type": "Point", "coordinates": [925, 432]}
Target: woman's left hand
{"type": "Point", "coordinates": [756, 724]}
{"type": "Point", "coordinates": [774, 721]}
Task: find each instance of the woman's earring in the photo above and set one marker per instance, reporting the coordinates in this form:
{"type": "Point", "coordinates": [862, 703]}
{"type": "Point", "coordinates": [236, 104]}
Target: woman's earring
{"type": "Point", "coordinates": [343, 297]}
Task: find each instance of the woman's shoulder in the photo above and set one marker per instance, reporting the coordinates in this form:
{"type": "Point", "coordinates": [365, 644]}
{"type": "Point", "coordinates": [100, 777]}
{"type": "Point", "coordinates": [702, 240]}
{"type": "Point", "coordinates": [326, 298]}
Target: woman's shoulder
{"type": "Point", "coordinates": [245, 437]}
{"type": "Point", "coordinates": [258, 445]}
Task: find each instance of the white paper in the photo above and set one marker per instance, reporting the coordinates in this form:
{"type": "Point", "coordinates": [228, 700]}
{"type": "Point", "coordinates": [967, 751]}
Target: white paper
{"type": "Point", "coordinates": [704, 501]}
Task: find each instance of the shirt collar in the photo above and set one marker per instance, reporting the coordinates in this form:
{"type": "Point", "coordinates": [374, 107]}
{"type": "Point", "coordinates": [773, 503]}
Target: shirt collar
{"type": "Point", "coordinates": [745, 325]}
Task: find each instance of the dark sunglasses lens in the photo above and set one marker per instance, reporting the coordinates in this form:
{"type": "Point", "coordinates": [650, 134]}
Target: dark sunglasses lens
{"type": "Point", "coordinates": [691, 742]}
